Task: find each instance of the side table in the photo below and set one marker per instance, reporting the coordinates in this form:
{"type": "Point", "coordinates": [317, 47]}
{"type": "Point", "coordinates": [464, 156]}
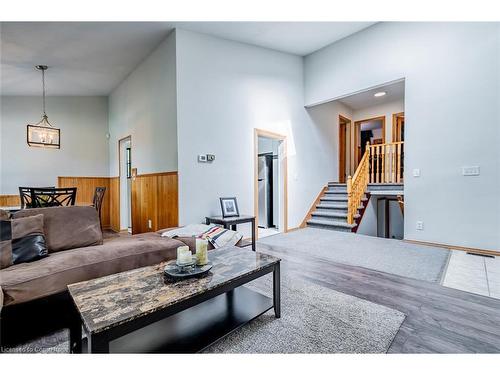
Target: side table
{"type": "Point", "coordinates": [231, 222]}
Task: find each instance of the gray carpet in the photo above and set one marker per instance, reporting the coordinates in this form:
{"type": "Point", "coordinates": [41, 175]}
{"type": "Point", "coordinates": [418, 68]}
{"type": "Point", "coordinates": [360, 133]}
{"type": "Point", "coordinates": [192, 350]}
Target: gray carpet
{"type": "Point", "coordinates": [313, 319]}
{"type": "Point", "coordinates": [57, 342]}
{"type": "Point", "coordinates": [386, 255]}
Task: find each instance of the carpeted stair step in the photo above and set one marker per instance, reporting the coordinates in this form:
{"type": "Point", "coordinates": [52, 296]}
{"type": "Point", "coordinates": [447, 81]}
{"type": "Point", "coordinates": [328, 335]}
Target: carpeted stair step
{"type": "Point", "coordinates": [336, 192]}
{"type": "Point", "coordinates": [385, 187]}
{"type": "Point", "coordinates": [337, 187]}
{"type": "Point", "coordinates": [335, 198]}
{"type": "Point", "coordinates": [334, 206]}
{"type": "Point", "coordinates": [341, 226]}
{"type": "Point", "coordinates": [332, 215]}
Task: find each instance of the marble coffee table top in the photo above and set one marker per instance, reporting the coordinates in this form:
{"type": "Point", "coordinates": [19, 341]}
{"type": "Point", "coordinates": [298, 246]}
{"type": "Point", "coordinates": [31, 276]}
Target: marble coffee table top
{"type": "Point", "coordinates": [112, 300]}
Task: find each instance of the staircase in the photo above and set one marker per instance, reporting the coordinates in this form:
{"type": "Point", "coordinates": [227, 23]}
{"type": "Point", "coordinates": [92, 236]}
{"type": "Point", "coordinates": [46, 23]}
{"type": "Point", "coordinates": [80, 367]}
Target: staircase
{"type": "Point", "coordinates": [331, 210]}
{"type": "Point", "coordinates": [340, 207]}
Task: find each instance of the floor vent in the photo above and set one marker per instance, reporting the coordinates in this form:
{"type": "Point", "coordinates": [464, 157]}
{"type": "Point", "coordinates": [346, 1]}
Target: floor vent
{"type": "Point", "coordinates": [481, 255]}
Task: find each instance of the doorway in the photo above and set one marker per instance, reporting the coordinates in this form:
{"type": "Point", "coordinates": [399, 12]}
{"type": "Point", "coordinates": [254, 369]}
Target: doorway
{"type": "Point", "coordinates": [371, 130]}
{"type": "Point", "coordinates": [390, 219]}
{"type": "Point", "coordinates": [344, 148]}
{"type": "Point", "coordinates": [398, 127]}
{"type": "Point", "coordinates": [125, 173]}
{"type": "Point", "coordinates": [270, 183]}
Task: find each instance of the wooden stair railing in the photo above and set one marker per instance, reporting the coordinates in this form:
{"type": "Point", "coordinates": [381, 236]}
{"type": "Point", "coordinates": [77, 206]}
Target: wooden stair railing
{"type": "Point", "coordinates": [380, 164]}
{"type": "Point", "coordinates": [356, 186]}
{"type": "Point", "coordinates": [386, 163]}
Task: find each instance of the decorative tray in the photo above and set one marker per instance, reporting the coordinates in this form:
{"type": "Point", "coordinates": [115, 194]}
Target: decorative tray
{"type": "Point", "coordinates": [173, 272]}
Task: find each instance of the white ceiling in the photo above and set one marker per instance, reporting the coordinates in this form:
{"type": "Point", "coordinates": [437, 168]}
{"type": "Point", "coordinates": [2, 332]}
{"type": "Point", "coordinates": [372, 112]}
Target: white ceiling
{"type": "Point", "coordinates": [299, 38]}
{"type": "Point", "coordinates": [92, 58]}
{"type": "Point", "coordinates": [83, 58]}
{"type": "Point", "coordinates": [394, 91]}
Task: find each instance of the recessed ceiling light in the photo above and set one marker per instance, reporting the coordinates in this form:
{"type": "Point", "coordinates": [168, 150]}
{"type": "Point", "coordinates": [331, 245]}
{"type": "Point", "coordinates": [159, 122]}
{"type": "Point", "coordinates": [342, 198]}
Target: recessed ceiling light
{"type": "Point", "coordinates": [379, 94]}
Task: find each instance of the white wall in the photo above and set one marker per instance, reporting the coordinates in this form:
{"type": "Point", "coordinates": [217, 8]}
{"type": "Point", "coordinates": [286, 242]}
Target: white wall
{"type": "Point", "coordinates": [326, 118]}
{"type": "Point", "coordinates": [369, 222]}
{"type": "Point", "coordinates": [144, 107]}
{"type": "Point", "coordinates": [386, 109]}
{"type": "Point", "coordinates": [83, 121]}
{"type": "Point", "coordinates": [452, 117]}
{"type": "Point", "coordinates": [226, 90]}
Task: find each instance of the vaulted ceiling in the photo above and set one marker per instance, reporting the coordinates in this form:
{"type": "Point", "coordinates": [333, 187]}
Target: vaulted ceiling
{"type": "Point", "coordinates": [92, 58]}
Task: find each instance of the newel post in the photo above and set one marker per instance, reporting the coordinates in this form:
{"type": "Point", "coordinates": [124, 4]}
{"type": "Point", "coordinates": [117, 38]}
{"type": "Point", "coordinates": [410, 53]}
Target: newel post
{"type": "Point", "coordinates": [349, 200]}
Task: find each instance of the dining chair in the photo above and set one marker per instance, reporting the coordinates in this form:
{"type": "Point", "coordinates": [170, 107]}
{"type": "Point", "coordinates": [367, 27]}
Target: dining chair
{"type": "Point", "coordinates": [41, 197]}
{"type": "Point", "coordinates": [25, 195]}
{"type": "Point", "coordinates": [98, 198]}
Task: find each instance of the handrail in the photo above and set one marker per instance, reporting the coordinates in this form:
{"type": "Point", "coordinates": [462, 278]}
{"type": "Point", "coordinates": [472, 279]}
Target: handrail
{"type": "Point", "coordinates": [382, 163]}
{"type": "Point", "coordinates": [356, 186]}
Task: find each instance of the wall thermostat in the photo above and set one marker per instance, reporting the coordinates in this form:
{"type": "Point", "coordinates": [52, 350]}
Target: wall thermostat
{"type": "Point", "coordinates": [208, 158]}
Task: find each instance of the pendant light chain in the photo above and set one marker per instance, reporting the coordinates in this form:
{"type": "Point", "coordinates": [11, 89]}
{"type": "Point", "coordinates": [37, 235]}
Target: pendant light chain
{"type": "Point", "coordinates": [43, 88]}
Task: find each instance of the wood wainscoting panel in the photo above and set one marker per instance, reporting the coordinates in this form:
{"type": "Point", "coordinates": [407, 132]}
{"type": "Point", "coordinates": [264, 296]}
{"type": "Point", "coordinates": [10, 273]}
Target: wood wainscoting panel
{"type": "Point", "coordinates": [154, 202]}
{"type": "Point", "coordinates": [114, 203]}
{"type": "Point", "coordinates": [10, 200]}
{"type": "Point", "coordinates": [168, 205]}
{"type": "Point", "coordinates": [85, 193]}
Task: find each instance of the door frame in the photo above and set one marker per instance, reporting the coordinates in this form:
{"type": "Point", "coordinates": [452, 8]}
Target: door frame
{"type": "Point", "coordinates": [343, 121]}
{"type": "Point", "coordinates": [120, 182]}
{"type": "Point", "coordinates": [395, 123]}
{"type": "Point", "coordinates": [357, 130]}
{"type": "Point", "coordinates": [268, 134]}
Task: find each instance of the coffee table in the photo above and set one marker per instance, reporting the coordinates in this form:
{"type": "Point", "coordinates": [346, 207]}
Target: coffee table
{"type": "Point", "coordinates": [137, 311]}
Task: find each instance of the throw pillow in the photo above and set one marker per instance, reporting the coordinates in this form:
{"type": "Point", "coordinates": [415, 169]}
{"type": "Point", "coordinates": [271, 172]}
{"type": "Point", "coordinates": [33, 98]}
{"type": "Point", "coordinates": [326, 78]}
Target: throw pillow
{"type": "Point", "coordinates": [4, 215]}
{"type": "Point", "coordinates": [22, 240]}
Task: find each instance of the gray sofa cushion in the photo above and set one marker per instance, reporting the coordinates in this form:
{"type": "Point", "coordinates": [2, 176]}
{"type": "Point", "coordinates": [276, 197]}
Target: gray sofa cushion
{"type": "Point", "coordinates": [67, 227]}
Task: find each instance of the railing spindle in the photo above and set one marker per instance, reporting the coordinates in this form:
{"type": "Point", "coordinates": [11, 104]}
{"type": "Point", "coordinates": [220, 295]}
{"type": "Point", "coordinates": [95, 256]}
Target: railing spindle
{"type": "Point", "coordinates": [372, 157]}
{"type": "Point", "coordinates": [393, 164]}
{"type": "Point", "coordinates": [384, 153]}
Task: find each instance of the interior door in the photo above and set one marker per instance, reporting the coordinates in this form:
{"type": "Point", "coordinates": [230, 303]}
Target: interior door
{"type": "Point", "coordinates": [342, 148]}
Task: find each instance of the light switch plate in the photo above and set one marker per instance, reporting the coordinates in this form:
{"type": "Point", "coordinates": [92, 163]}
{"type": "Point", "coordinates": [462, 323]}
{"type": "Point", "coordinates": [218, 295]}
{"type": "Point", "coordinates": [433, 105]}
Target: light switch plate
{"type": "Point", "coordinates": [202, 158]}
{"type": "Point", "coordinates": [420, 225]}
{"type": "Point", "coordinates": [471, 171]}
{"type": "Point", "coordinates": [416, 172]}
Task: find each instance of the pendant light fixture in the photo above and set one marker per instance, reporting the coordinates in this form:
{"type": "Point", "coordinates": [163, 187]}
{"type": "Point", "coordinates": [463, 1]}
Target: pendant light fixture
{"type": "Point", "coordinates": [43, 134]}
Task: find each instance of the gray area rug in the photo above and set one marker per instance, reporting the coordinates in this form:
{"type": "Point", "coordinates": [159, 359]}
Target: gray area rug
{"type": "Point", "coordinates": [381, 254]}
{"type": "Point", "coordinates": [313, 319]}
{"type": "Point", "coordinates": [57, 342]}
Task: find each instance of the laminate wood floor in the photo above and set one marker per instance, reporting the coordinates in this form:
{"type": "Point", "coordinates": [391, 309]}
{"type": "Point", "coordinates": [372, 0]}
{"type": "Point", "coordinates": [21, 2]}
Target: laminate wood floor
{"type": "Point", "coordinates": [438, 319]}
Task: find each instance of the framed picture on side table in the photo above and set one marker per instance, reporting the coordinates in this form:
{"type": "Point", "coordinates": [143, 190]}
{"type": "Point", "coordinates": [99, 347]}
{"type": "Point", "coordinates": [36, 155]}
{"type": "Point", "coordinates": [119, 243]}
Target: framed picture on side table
{"type": "Point", "coordinates": [229, 207]}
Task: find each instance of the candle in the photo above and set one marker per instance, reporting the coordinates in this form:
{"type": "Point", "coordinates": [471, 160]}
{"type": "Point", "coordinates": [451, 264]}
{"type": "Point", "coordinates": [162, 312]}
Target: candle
{"type": "Point", "coordinates": [184, 255]}
{"type": "Point", "coordinates": [201, 251]}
